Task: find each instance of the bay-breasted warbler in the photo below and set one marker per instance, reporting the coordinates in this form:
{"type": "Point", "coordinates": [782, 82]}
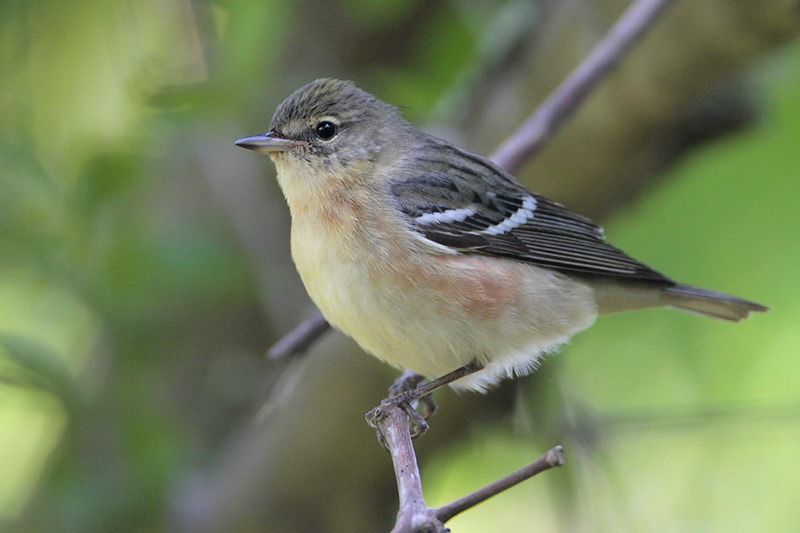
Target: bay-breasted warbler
{"type": "Point", "coordinates": [431, 257]}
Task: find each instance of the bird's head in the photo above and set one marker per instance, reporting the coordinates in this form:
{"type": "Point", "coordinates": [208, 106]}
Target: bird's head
{"type": "Point", "coordinates": [329, 126]}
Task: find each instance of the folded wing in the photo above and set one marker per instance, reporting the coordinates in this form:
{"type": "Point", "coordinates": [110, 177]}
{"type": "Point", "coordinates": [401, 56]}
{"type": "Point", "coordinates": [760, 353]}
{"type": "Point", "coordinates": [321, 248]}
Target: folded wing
{"type": "Point", "coordinates": [470, 205]}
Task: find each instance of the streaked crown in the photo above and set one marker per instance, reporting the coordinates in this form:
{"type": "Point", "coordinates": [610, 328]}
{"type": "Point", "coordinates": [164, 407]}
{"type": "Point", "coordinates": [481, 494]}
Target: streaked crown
{"type": "Point", "coordinates": [327, 97]}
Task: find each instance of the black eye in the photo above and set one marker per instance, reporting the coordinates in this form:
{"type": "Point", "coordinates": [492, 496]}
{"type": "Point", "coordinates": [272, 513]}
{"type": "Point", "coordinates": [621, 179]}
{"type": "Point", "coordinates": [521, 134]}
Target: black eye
{"type": "Point", "coordinates": [326, 130]}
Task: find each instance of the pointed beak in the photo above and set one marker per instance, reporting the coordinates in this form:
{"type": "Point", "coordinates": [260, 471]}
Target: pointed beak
{"type": "Point", "coordinates": [268, 143]}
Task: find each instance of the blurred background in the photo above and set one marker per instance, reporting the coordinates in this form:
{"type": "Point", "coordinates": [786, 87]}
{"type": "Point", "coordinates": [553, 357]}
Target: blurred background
{"type": "Point", "coordinates": [145, 269]}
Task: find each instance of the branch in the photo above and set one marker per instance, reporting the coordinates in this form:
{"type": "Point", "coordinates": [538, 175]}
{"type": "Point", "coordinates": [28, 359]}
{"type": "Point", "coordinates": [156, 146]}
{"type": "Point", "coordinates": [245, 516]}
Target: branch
{"type": "Point", "coordinates": [414, 515]}
{"type": "Point", "coordinates": [553, 458]}
{"type": "Point", "coordinates": [541, 127]}
{"type": "Point", "coordinates": [534, 134]}
{"type": "Point", "coordinates": [300, 338]}
{"type": "Point", "coordinates": [395, 428]}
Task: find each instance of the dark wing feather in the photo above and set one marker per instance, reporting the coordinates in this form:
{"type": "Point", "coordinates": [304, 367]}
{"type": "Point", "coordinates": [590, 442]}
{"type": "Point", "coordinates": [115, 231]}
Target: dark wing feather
{"type": "Point", "coordinates": [467, 203]}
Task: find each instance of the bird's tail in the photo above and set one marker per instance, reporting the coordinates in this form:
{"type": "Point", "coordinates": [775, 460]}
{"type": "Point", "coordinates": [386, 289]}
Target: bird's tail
{"type": "Point", "coordinates": [710, 303]}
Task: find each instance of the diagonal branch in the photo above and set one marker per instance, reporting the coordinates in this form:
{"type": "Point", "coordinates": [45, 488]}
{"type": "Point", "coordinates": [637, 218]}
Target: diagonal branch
{"type": "Point", "coordinates": [533, 135]}
{"type": "Point", "coordinates": [542, 125]}
{"type": "Point", "coordinates": [301, 337]}
{"type": "Point", "coordinates": [553, 458]}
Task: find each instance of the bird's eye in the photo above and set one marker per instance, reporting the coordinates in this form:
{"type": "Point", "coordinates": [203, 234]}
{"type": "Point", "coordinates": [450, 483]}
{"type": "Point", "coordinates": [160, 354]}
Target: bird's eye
{"type": "Point", "coordinates": [326, 130]}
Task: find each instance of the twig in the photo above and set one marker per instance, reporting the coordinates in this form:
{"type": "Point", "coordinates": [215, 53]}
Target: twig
{"type": "Point", "coordinates": [300, 338]}
{"type": "Point", "coordinates": [533, 135]}
{"type": "Point", "coordinates": [553, 458]}
{"type": "Point", "coordinates": [414, 514]}
{"type": "Point", "coordinates": [539, 129]}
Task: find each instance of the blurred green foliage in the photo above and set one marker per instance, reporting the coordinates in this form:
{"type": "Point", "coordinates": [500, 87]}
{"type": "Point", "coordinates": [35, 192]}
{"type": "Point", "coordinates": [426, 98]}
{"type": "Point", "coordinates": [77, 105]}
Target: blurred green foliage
{"type": "Point", "coordinates": [133, 320]}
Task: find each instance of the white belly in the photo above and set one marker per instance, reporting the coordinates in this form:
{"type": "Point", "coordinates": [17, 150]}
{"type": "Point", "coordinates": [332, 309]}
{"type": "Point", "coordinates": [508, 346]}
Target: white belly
{"type": "Point", "coordinates": [434, 319]}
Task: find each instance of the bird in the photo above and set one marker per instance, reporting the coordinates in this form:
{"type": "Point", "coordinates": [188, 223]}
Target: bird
{"type": "Point", "coordinates": [431, 257]}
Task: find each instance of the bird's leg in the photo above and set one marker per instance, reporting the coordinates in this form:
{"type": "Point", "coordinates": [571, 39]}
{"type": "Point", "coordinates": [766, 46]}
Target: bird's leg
{"type": "Point", "coordinates": [411, 390]}
{"type": "Point", "coordinates": [400, 396]}
{"type": "Point", "coordinates": [407, 382]}
{"type": "Point", "coordinates": [429, 387]}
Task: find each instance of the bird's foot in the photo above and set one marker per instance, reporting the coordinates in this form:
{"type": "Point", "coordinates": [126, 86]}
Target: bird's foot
{"type": "Point", "coordinates": [406, 389]}
{"type": "Point", "coordinates": [405, 393]}
{"type": "Point", "coordinates": [412, 393]}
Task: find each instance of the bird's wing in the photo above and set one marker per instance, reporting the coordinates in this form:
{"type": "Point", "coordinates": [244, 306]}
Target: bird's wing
{"type": "Point", "coordinates": [465, 202]}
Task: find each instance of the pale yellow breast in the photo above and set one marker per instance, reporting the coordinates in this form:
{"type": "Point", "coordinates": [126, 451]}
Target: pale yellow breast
{"type": "Point", "coordinates": [335, 247]}
{"type": "Point", "coordinates": [416, 306]}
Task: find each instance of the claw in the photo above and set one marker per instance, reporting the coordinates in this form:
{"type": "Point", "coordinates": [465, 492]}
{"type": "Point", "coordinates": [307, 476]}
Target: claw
{"type": "Point", "coordinates": [404, 393]}
{"type": "Point", "coordinates": [419, 425]}
{"type": "Point", "coordinates": [412, 393]}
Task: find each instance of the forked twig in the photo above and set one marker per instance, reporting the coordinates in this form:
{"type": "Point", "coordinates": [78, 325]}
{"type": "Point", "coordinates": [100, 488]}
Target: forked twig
{"type": "Point", "coordinates": [414, 515]}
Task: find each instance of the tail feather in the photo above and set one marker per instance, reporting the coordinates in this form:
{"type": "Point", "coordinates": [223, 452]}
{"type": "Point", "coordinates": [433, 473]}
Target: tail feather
{"type": "Point", "coordinates": [710, 303]}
